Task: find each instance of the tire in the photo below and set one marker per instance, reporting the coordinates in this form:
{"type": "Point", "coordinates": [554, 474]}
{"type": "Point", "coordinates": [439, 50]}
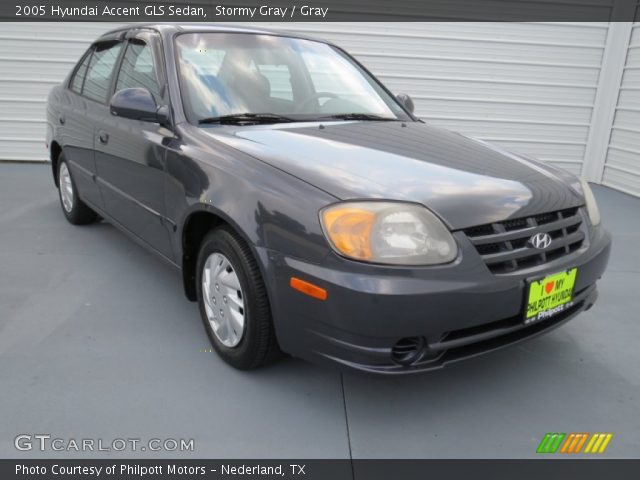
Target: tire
{"type": "Point", "coordinates": [75, 210]}
{"type": "Point", "coordinates": [226, 261]}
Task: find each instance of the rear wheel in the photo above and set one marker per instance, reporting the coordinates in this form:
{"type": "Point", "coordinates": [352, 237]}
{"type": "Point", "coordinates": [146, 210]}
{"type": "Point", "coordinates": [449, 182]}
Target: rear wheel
{"type": "Point", "coordinates": [233, 301]}
{"type": "Point", "coordinates": [75, 210]}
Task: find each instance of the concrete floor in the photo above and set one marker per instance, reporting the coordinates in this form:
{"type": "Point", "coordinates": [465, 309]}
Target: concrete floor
{"type": "Point", "coordinates": [98, 341]}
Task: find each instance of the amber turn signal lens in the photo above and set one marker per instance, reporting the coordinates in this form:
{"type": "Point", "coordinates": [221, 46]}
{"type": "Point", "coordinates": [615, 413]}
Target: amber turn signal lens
{"type": "Point", "coordinates": [308, 288]}
{"type": "Point", "coordinates": [349, 229]}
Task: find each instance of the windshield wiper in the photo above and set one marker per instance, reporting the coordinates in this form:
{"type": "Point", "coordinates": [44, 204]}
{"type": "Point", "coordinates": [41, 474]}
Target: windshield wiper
{"type": "Point", "coordinates": [243, 118]}
{"type": "Point", "coordinates": [361, 116]}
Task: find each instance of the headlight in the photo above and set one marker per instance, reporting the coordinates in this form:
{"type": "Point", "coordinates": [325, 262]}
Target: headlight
{"type": "Point", "coordinates": [590, 201]}
{"type": "Point", "coordinates": [388, 232]}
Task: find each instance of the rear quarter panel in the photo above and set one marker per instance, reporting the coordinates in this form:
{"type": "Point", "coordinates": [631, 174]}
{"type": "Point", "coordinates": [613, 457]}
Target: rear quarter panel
{"type": "Point", "coordinates": [52, 113]}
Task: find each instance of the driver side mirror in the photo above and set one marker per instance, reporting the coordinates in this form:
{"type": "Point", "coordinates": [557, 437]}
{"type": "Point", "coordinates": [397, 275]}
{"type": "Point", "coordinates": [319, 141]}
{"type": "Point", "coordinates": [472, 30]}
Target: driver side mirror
{"type": "Point", "coordinates": [406, 101]}
{"type": "Point", "coordinates": [138, 104]}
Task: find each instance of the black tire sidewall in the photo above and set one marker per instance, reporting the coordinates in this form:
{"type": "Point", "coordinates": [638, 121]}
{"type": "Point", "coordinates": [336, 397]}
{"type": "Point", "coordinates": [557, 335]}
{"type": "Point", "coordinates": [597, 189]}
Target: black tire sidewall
{"type": "Point", "coordinates": [242, 355]}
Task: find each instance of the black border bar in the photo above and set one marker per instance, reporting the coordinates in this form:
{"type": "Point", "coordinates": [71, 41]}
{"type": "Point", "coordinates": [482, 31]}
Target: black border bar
{"type": "Point", "coordinates": [213, 11]}
{"type": "Point", "coordinates": [297, 469]}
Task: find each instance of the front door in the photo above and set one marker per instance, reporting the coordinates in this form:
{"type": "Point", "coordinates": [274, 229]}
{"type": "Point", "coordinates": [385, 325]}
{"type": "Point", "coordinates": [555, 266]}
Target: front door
{"type": "Point", "coordinates": [130, 154]}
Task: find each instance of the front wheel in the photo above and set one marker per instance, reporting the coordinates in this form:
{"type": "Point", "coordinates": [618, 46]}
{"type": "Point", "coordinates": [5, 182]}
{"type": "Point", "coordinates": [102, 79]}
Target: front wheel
{"type": "Point", "coordinates": [233, 301]}
{"type": "Point", "coordinates": [75, 210]}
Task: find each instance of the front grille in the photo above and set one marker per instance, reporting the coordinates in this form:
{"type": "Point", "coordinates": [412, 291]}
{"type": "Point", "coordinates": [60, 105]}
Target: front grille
{"type": "Point", "coordinates": [505, 248]}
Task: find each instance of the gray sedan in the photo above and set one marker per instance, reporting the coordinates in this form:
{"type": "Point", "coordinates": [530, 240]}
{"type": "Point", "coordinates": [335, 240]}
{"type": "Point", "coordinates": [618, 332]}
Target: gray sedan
{"type": "Point", "coordinates": [309, 211]}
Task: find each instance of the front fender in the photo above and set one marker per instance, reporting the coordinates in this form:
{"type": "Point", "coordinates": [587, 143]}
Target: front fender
{"type": "Point", "coordinates": [268, 207]}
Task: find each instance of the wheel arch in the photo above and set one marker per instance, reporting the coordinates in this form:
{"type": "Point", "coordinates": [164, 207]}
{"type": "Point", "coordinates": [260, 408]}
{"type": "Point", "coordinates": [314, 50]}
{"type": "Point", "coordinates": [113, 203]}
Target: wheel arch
{"type": "Point", "coordinates": [195, 227]}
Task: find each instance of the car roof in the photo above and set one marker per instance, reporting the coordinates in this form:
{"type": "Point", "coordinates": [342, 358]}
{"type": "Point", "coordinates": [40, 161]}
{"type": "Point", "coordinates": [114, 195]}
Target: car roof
{"type": "Point", "coordinates": [169, 28]}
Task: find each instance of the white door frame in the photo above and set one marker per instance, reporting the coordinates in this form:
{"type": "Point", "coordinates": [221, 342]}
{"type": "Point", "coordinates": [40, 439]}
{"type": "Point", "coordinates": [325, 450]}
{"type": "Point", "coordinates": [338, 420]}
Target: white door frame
{"type": "Point", "coordinates": [606, 101]}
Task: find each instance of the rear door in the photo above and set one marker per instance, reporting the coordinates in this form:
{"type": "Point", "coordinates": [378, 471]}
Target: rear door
{"type": "Point", "coordinates": [76, 131]}
{"type": "Point", "coordinates": [130, 154]}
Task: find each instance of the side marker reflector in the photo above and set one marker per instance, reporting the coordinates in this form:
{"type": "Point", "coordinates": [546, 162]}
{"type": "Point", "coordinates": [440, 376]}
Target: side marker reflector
{"type": "Point", "coordinates": [308, 288]}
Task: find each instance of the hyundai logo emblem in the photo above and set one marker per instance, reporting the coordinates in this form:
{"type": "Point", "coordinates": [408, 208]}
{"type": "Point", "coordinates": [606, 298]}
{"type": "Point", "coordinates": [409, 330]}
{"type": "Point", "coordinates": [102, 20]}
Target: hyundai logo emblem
{"type": "Point", "coordinates": [540, 241]}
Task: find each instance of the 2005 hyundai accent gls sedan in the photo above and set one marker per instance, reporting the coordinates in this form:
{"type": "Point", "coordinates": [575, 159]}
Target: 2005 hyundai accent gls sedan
{"type": "Point", "coordinates": [309, 210]}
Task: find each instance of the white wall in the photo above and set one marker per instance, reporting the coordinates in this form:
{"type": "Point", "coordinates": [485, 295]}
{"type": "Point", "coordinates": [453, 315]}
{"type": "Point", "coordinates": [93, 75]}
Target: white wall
{"type": "Point", "coordinates": [529, 87]}
{"type": "Point", "coordinates": [33, 58]}
{"type": "Point", "coordinates": [622, 166]}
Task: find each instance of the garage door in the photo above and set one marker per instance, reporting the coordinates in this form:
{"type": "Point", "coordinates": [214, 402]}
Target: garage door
{"type": "Point", "coordinates": [529, 87]}
{"type": "Point", "coordinates": [33, 58]}
{"type": "Point", "coordinates": [622, 166]}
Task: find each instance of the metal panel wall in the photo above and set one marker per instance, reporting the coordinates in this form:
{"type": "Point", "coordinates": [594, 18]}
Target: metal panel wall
{"type": "Point", "coordinates": [33, 58]}
{"type": "Point", "coordinates": [622, 165]}
{"type": "Point", "coordinates": [529, 87]}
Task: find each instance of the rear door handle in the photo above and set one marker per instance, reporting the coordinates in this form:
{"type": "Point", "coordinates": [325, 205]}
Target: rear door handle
{"type": "Point", "coordinates": [104, 137]}
{"type": "Point", "coordinates": [61, 119]}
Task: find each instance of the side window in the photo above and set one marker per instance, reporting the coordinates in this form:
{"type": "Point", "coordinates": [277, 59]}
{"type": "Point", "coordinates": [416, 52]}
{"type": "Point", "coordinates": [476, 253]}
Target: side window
{"type": "Point", "coordinates": [78, 77]}
{"type": "Point", "coordinates": [137, 69]}
{"type": "Point", "coordinates": [103, 61]}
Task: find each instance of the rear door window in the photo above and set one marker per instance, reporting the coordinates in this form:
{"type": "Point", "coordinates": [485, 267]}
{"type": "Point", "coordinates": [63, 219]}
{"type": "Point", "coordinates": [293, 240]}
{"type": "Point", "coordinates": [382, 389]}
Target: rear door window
{"type": "Point", "coordinates": [78, 76]}
{"type": "Point", "coordinates": [100, 71]}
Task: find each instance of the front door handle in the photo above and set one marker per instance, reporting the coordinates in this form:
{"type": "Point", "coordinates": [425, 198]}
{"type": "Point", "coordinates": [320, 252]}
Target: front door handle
{"type": "Point", "coordinates": [61, 119]}
{"type": "Point", "coordinates": [104, 137]}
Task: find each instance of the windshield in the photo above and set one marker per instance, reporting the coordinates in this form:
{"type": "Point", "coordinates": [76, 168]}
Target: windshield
{"type": "Point", "coordinates": [224, 74]}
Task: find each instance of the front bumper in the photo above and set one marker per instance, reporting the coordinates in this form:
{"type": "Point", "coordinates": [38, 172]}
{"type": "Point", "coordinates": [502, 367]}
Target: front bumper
{"type": "Point", "coordinates": [453, 311]}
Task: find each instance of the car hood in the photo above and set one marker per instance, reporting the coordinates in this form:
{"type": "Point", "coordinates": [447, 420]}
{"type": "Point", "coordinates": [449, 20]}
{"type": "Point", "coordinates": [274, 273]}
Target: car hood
{"type": "Point", "coordinates": [466, 182]}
